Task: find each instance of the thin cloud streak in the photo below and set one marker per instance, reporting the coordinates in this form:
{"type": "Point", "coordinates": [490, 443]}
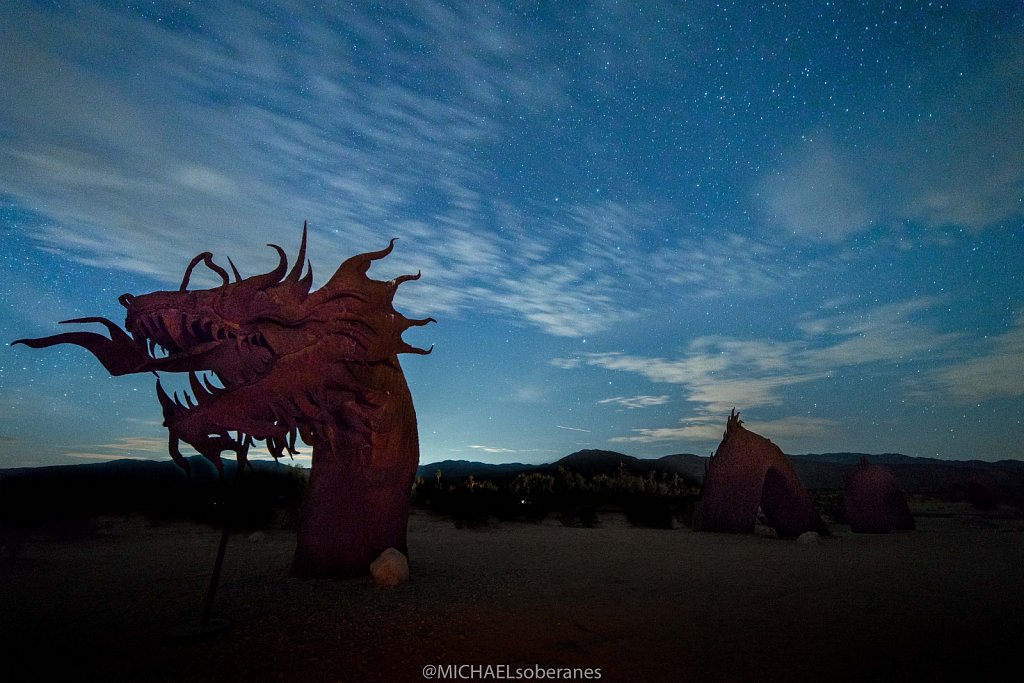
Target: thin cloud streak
{"type": "Point", "coordinates": [634, 402]}
{"type": "Point", "coordinates": [491, 449]}
{"type": "Point", "coordinates": [129, 447]}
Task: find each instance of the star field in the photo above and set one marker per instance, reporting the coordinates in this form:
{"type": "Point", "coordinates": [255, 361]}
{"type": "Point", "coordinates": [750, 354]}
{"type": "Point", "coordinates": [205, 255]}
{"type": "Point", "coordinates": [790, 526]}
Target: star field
{"type": "Point", "coordinates": [630, 217]}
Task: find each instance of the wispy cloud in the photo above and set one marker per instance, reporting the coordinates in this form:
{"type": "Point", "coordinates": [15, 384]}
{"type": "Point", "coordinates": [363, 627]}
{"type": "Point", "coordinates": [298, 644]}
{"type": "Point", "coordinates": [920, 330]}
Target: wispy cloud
{"type": "Point", "coordinates": [709, 428]}
{"type": "Point", "coordinates": [717, 374]}
{"type": "Point", "coordinates": [224, 127]}
{"type": "Point", "coordinates": [818, 194]}
{"type": "Point", "coordinates": [994, 372]}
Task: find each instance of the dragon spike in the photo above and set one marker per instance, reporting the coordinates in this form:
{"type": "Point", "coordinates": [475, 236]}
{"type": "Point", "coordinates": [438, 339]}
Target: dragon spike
{"type": "Point", "coordinates": [210, 388]}
{"type": "Point", "coordinates": [377, 255]}
{"type": "Point", "coordinates": [197, 389]}
{"type": "Point", "coordinates": [300, 260]}
{"type": "Point", "coordinates": [165, 402]}
{"type": "Point", "coordinates": [242, 454]}
{"type": "Point", "coordinates": [413, 322]}
{"type": "Point", "coordinates": [234, 270]}
{"type": "Point", "coordinates": [406, 278]}
{"type": "Point", "coordinates": [307, 280]}
{"type": "Point", "coordinates": [359, 264]}
{"type": "Point", "coordinates": [282, 265]}
{"type": "Point", "coordinates": [175, 453]}
{"type": "Point", "coordinates": [406, 348]}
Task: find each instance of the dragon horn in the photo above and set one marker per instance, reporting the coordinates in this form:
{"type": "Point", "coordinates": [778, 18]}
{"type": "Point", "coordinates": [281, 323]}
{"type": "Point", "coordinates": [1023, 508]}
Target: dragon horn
{"type": "Point", "coordinates": [207, 258]}
{"type": "Point", "coordinates": [300, 260]}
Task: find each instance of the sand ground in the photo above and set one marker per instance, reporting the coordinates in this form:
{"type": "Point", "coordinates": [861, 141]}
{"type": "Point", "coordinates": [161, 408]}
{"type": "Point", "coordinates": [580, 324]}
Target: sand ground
{"type": "Point", "coordinates": [943, 602]}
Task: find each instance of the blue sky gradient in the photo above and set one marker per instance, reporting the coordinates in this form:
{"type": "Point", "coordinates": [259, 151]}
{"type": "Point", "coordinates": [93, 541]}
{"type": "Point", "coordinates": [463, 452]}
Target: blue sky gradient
{"type": "Point", "coordinates": [630, 217]}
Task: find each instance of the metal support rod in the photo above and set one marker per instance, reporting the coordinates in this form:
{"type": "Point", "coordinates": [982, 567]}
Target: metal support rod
{"type": "Point", "coordinates": [215, 576]}
{"type": "Point", "coordinates": [225, 533]}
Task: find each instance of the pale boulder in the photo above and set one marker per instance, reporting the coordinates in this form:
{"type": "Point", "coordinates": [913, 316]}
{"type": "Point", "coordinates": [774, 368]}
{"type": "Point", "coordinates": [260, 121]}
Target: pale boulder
{"type": "Point", "coordinates": [390, 569]}
{"type": "Point", "coordinates": [808, 537]}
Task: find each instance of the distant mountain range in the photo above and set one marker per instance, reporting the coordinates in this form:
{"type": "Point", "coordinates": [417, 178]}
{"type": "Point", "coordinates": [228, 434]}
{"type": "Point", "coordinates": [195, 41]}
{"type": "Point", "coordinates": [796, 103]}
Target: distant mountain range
{"type": "Point", "coordinates": [202, 469]}
{"type": "Point", "coordinates": [68, 491]}
{"type": "Point", "coordinates": [816, 470]}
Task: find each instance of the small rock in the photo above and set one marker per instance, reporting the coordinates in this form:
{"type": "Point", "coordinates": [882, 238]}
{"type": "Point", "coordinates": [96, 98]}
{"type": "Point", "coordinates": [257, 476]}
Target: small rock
{"type": "Point", "coordinates": [256, 536]}
{"type": "Point", "coordinates": [390, 569]}
{"type": "Point", "coordinates": [808, 537]}
{"type": "Point", "coordinates": [765, 531]}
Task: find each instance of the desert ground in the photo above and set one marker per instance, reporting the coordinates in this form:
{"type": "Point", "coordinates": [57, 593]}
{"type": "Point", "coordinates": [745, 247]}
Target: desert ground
{"type": "Point", "coordinates": [943, 602]}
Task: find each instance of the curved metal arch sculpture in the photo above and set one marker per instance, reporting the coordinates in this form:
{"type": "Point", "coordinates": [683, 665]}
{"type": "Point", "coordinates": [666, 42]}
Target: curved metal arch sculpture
{"type": "Point", "coordinates": [873, 502]}
{"type": "Point", "coordinates": [748, 472]}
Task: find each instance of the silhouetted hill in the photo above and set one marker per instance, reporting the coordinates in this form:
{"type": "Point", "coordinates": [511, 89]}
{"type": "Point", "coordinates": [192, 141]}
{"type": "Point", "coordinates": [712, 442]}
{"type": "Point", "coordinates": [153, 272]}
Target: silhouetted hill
{"type": "Point", "coordinates": [915, 475]}
{"type": "Point", "coordinates": [877, 459]}
{"type": "Point", "coordinates": [591, 462]}
{"type": "Point", "coordinates": [457, 470]}
{"type": "Point", "coordinates": [586, 462]}
{"type": "Point", "coordinates": [683, 464]}
{"type": "Point", "coordinates": [202, 470]}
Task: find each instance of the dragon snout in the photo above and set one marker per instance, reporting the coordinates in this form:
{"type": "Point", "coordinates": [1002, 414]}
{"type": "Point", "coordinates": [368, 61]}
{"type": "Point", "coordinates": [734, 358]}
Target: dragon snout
{"type": "Point", "coordinates": [126, 300]}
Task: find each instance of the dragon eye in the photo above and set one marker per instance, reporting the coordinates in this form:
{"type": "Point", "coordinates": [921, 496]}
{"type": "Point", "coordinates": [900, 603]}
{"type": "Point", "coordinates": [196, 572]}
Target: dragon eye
{"type": "Point", "coordinates": [126, 300]}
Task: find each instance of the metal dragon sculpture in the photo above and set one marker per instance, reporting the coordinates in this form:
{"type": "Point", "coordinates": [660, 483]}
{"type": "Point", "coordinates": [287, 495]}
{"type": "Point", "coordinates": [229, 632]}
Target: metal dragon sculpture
{"type": "Point", "coordinates": [321, 365]}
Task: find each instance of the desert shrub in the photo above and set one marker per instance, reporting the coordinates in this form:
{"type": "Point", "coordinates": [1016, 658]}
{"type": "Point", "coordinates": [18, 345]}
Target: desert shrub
{"type": "Point", "coordinates": [533, 484]}
{"type": "Point", "coordinates": [254, 501]}
{"type": "Point", "coordinates": [471, 507]}
{"type": "Point", "coordinates": [684, 508]}
{"type": "Point", "coordinates": [69, 499]}
{"type": "Point", "coordinates": [660, 500]}
{"type": "Point", "coordinates": [568, 481]}
{"type": "Point", "coordinates": [829, 504]}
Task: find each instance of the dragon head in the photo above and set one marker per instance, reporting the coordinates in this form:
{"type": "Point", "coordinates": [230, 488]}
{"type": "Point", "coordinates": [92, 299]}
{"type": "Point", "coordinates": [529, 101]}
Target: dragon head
{"type": "Point", "coordinates": [289, 361]}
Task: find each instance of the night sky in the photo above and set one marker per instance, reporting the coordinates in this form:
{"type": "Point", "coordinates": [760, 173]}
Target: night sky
{"type": "Point", "coordinates": [630, 216]}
